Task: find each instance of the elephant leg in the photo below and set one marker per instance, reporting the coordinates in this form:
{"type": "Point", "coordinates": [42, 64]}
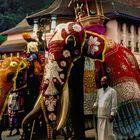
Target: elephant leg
{"type": "Point", "coordinates": [1, 129]}
{"type": "Point", "coordinates": [77, 110]}
{"type": "Point", "coordinates": [0, 135]}
{"type": "Point", "coordinates": [35, 112]}
{"type": "Point", "coordinates": [77, 117]}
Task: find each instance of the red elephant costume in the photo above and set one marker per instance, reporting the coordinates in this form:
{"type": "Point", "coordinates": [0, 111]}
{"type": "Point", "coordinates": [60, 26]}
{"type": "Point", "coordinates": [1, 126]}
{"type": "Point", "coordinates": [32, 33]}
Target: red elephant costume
{"type": "Point", "coordinates": [122, 68]}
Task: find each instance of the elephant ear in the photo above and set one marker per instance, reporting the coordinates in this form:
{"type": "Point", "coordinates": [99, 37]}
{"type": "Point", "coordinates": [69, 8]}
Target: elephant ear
{"type": "Point", "coordinates": [95, 46]}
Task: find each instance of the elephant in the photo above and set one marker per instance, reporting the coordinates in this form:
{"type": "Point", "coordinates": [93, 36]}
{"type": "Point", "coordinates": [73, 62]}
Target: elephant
{"type": "Point", "coordinates": [62, 86]}
{"type": "Point", "coordinates": [16, 73]}
{"type": "Point", "coordinates": [68, 46]}
{"type": "Point", "coordinates": [123, 70]}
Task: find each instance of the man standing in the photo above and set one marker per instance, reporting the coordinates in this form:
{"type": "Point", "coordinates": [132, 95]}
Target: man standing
{"type": "Point", "coordinates": [106, 103]}
{"type": "Point", "coordinates": [13, 107]}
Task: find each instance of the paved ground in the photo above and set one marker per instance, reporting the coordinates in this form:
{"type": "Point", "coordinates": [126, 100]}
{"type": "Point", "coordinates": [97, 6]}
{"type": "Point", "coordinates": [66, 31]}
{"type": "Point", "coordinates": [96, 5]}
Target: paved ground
{"type": "Point", "coordinates": [5, 133]}
{"type": "Point", "coordinates": [89, 135]}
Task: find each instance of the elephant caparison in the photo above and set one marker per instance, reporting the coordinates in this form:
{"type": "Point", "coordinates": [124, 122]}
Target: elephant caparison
{"type": "Point", "coordinates": [16, 74]}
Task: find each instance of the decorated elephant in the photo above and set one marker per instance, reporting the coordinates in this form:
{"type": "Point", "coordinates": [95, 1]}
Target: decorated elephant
{"type": "Point", "coordinates": [62, 87]}
{"type": "Point", "coordinates": [66, 48]}
{"type": "Point", "coordinates": [16, 73]}
{"type": "Point", "coordinates": [123, 70]}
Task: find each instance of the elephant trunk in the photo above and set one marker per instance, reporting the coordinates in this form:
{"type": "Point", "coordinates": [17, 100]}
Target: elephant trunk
{"type": "Point", "coordinates": [32, 114]}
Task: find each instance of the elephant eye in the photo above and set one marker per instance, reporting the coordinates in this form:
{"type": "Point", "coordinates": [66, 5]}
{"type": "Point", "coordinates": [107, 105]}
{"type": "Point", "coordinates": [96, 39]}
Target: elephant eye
{"type": "Point", "coordinates": [5, 64]}
{"type": "Point", "coordinates": [70, 41]}
{"type": "Point", "coordinates": [13, 64]}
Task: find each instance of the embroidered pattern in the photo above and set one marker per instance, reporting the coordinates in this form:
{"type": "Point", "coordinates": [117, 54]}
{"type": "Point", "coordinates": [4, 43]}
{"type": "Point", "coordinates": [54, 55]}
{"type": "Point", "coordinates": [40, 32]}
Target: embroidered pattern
{"type": "Point", "coordinates": [52, 116]}
{"type": "Point", "coordinates": [93, 45]}
{"type": "Point", "coordinates": [52, 70]}
{"type": "Point", "coordinates": [66, 53]}
{"type": "Point", "coordinates": [51, 103]}
{"type": "Point", "coordinates": [77, 28]}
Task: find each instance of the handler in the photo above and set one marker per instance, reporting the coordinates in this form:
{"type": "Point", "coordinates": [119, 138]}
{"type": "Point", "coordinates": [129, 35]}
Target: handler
{"type": "Point", "coordinates": [106, 103]}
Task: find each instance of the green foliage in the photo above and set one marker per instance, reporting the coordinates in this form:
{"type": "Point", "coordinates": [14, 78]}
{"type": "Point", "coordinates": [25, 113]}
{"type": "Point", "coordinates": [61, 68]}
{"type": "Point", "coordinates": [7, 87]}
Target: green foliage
{"type": "Point", "coordinates": [2, 39]}
{"type": "Point", "coordinates": [13, 11]}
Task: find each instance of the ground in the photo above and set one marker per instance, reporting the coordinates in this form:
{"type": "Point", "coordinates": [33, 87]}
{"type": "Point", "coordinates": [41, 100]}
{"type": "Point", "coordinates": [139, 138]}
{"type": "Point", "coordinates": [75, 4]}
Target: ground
{"type": "Point", "coordinates": [89, 135]}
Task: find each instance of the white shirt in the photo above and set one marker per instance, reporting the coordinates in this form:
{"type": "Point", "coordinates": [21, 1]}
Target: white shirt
{"type": "Point", "coordinates": [13, 102]}
{"type": "Point", "coordinates": [106, 102]}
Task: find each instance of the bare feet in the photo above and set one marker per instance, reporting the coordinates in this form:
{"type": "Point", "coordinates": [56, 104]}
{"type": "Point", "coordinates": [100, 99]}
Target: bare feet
{"type": "Point", "coordinates": [17, 133]}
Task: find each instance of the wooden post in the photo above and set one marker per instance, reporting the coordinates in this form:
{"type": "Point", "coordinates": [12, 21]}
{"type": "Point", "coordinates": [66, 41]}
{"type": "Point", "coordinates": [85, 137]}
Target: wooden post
{"type": "Point", "coordinates": [32, 130]}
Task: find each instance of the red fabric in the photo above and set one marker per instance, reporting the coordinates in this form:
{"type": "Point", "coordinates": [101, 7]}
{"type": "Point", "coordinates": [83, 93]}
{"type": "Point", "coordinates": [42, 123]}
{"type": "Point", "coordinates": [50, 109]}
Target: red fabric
{"type": "Point", "coordinates": [123, 70]}
{"type": "Point", "coordinates": [121, 63]}
{"type": "Point", "coordinates": [50, 132]}
{"type": "Point", "coordinates": [99, 72]}
{"type": "Point", "coordinates": [98, 55]}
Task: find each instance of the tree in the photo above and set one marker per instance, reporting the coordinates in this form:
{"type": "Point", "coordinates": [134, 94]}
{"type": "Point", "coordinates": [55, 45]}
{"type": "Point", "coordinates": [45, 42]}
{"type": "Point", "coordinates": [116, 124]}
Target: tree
{"type": "Point", "coordinates": [13, 11]}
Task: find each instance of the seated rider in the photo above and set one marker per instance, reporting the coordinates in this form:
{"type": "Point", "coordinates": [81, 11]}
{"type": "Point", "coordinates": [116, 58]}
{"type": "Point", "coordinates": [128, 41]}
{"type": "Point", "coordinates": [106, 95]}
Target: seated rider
{"type": "Point", "coordinates": [32, 55]}
{"type": "Point", "coordinates": [41, 42]}
{"type": "Point", "coordinates": [32, 50]}
{"type": "Point", "coordinates": [42, 46]}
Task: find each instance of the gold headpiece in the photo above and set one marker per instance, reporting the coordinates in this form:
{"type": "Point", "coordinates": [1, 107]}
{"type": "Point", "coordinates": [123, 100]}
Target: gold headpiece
{"type": "Point", "coordinates": [88, 12]}
{"type": "Point", "coordinates": [26, 35]}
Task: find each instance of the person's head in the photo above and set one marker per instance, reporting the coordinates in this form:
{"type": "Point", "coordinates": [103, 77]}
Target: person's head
{"type": "Point", "coordinates": [104, 81]}
{"type": "Point", "coordinates": [39, 34]}
{"type": "Point", "coordinates": [26, 36]}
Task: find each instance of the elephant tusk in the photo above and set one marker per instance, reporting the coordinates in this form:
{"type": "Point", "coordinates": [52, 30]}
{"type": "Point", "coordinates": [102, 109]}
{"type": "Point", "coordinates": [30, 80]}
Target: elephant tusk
{"type": "Point", "coordinates": [65, 106]}
{"type": "Point", "coordinates": [32, 114]}
{"type": "Point", "coordinates": [38, 100]}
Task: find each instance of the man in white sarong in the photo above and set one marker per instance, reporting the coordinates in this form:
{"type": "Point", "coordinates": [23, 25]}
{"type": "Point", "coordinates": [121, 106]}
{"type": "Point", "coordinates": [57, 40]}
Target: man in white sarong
{"type": "Point", "coordinates": [106, 103]}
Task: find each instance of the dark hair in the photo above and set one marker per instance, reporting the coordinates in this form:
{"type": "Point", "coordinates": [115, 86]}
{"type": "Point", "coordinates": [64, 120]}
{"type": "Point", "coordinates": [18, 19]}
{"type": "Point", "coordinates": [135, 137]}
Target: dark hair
{"type": "Point", "coordinates": [39, 32]}
{"type": "Point", "coordinates": [107, 78]}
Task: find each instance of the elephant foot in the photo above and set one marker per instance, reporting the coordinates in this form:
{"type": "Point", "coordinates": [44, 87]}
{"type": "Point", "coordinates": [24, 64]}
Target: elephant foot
{"type": "Point", "coordinates": [24, 136]}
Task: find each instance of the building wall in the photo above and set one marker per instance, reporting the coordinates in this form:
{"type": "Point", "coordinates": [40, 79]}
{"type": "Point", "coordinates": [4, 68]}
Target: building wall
{"type": "Point", "coordinates": [135, 3]}
{"type": "Point", "coordinates": [112, 30]}
{"type": "Point", "coordinates": [126, 34]}
{"type": "Point", "coordinates": [15, 38]}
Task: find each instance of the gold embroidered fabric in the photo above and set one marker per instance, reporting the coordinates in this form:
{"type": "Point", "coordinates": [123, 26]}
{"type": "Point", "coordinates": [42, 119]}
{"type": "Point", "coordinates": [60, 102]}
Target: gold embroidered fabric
{"type": "Point", "coordinates": [89, 81]}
